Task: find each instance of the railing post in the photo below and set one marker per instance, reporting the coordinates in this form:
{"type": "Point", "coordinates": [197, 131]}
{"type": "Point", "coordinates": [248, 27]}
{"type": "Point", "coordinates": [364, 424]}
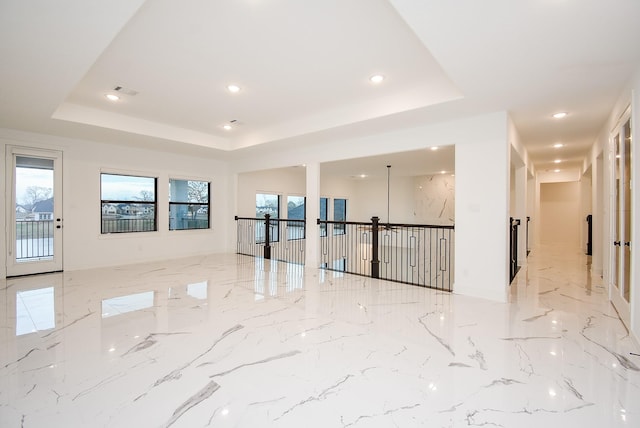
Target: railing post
{"type": "Point", "coordinates": [589, 234]}
{"type": "Point", "coordinates": [375, 261]}
{"type": "Point", "coordinates": [513, 247]}
{"type": "Point", "coordinates": [267, 241]}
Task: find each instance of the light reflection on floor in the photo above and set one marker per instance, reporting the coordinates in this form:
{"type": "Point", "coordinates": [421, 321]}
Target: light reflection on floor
{"type": "Point", "coordinates": [227, 340]}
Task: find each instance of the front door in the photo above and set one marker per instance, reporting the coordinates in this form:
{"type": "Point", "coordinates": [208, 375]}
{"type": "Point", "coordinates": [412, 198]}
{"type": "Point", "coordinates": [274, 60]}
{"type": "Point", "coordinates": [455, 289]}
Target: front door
{"type": "Point", "coordinates": [34, 212]}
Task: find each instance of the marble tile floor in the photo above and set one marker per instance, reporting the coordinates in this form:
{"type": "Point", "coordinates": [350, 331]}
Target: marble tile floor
{"type": "Point", "coordinates": [230, 341]}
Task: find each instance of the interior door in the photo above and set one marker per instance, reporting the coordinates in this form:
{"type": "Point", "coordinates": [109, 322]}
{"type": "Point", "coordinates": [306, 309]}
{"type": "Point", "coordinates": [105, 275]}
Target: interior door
{"type": "Point", "coordinates": [615, 218]}
{"type": "Point", "coordinates": [626, 212]}
{"type": "Point", "coordinates": [34, 213]}
{"type": "Point", "coordinates": [622, 213]}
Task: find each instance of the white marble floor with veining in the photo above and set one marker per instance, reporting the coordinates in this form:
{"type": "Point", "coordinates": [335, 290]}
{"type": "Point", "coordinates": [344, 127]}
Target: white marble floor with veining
{"type": "Point", "coordinates": [229, 341]}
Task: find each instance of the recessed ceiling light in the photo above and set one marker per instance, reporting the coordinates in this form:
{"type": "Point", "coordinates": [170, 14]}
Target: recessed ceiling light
{"type": "Point", "coordinates": [376, 78]}
{"type": "Point", "coordinates": [560, 115]}
{"type": "Point", "coordinates": [556, 170]}
{"type": "Point", "coordinates": [112, 97]}
{"type": "Point", "coordinates": [434, 148]}
{"type": "Point", "coordinates": [227, 127]}
{"type": "Point", "coordinates": [557, 161]}
{"type": "Point", "coordinates": [558, 145]}
{"type": "Point", "coordinates": [233, 88]}
{"type": "Point", "coordinates": [126, 91]}
{"type": "Point", "coordinates": [443, 172]}
{"type": "Point", "coordinates": [363, 175]}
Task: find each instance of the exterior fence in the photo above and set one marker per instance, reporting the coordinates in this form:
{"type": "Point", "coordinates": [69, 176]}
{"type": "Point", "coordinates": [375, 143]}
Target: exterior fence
{"type": "Point", "coordinates": [118, 225]}
{"type": "Point", "coordinates": [408, 253]}
{"type": "Point", "coordinates": [271, 238]}
{"type": "Point", "coordinates": [34, 239]}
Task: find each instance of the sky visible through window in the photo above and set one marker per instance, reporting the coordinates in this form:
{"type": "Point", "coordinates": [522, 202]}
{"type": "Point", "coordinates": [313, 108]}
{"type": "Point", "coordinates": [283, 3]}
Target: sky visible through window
{"type": "Point", "coordinates": [32, 177]}
{"type": "Point", "coordinates": [125, 187]}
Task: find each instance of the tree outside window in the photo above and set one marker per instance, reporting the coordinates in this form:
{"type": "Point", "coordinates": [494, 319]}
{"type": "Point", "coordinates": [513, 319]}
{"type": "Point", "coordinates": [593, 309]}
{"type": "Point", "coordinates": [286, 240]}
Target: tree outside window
{"type": "Point", "coordinates": [189, 204]}
{"type": "Point", "coordinates": [339, 214]}
{"type": "Point", "coordinates": [128, 203]}
{"type": "Point", "coordinates": [267, 204]}
{"type": "Point", "coordinates": [324, 205]}
{"type": "Point", "coordinates": [296, 210]}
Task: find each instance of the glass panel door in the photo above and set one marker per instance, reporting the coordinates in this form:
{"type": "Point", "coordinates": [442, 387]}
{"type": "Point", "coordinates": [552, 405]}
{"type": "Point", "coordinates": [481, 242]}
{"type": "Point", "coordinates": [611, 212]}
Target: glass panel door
{"type": "Point", "coordinates": [620, 291]}
{"type": "Point", "coordinates": [34, 243]}
{"type": "Point", "coordinates": [625, 244]}
{"type": "Point", "coordinates": [617, 234]}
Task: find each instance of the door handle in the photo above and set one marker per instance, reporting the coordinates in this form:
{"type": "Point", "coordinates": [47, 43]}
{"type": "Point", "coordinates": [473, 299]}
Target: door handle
{"type": "Point", "coordinates": [627, 244]}
{"type": "Point", "coordinates": [616, 243]}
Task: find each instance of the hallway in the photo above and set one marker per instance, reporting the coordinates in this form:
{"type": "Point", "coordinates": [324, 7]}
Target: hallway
{"type": "Point", "coordinates": [226, 340]}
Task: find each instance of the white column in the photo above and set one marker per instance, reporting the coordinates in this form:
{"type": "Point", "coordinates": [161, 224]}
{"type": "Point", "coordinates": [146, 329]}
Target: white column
{"type": "Point", "coordinates": [233, 209]}
{"type": "Point", "coordinates": [312, 252]}
{"type": "Point", "coordinates": [482, 215]}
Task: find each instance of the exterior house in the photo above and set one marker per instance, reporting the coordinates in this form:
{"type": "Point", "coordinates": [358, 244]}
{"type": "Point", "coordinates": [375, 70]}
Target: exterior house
{"type": "Point", "coordinates": [109, 209]}
{"type": "Point", "coordinates": [43, 210]}
{"type": "Point", "coordinates": [21, 212]}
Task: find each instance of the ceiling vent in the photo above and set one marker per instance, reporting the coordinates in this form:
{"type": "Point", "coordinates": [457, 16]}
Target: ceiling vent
{"type": "Point", "coordinates": [126, 91]}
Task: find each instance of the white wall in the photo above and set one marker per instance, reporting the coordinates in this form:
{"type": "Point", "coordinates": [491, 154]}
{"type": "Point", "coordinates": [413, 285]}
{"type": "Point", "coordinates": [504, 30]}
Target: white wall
{"type": "Point", "coordinates": [597, 204]}
{"type": "Point", "coordinates": [370, 199]}
{"type": "Point", "coordinates": [83, 244]}
{"type": "Point", "coordinates": [531, 212]}
{"type": "Point", "coordinates": [281, 181]}
{"type": "Point", "coordinates": [512, 191]}
{"type": "Point", "coordinates": [560, 210]}
{"type": "Point", "coordinates": [340, 188]}
{"type": "Point", "coordinates": [599, 162]}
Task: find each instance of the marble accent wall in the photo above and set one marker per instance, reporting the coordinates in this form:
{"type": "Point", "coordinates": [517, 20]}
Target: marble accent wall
{"type": "Point", "coordinates": [434, 199]}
